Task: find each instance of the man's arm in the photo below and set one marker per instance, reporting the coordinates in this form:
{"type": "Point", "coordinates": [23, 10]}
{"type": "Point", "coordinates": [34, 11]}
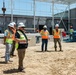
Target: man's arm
{"type": "Point", "coordinates": [41, 32]}
{"type": "Point", "coordinates": [4, 39]}
{"type": "Point", "coordinates": [17, 38]}
{"type": "Point", "coordinates": [53, 32]}
{"type": "Point", "coordinates": [5, 36]}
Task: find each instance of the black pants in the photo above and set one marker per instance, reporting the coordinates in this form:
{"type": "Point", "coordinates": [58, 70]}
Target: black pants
{"type": "Point", "coordinates": [13, 48]}
{"type": "Point", "coordinates": [44, 43]}
{"type": "Point", "coordinates": [71, 36]}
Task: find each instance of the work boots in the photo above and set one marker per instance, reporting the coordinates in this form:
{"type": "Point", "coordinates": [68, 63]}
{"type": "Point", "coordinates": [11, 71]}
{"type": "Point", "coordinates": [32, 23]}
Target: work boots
{"type": "Point", "coordinates": [60, 49]}
{"type": "Point", "coordinates": [55, 49]}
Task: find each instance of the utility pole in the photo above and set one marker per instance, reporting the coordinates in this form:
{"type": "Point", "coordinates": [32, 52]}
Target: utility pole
{"type": "Point", "coordinates": [34, 6]}
{"type": "Point", "coordinates": [52, 14]}
{"type": "Point", "coordinates": [11, 10]}
{"type": "Point", "coordinates": [3, 9]}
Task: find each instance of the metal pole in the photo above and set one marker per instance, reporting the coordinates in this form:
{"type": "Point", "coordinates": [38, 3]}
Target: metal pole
{"type": "Point", "coordinates": [52, 14]}
{"type": "Point", "coordinates": [34, 14]}
{"type": "Point", "coordinates": [4, 9]}
{"type": "Point", "coordinates": [68, 16]}
{"type": "Point", "coordinates": [4, 15]}
{"type": "Point", "coordinates": [11, 10]}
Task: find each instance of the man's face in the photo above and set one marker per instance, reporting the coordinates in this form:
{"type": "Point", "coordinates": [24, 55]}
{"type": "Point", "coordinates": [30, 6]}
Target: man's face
{"type": "Point", "coordinates": [44, 28]}
{"type": "Point", "coordinates": [11, 28]}
{"type": "Point", "coordinates": [22, 28]}
{"type": "Point", "coordinates": [14, 26]}
{"type": "Point", "coordinates": [56, 27]}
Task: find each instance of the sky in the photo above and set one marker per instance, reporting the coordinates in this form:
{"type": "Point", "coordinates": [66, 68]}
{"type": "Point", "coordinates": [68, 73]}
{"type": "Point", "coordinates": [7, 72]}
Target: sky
{"type": "Point", "coordinates": [25, 7]}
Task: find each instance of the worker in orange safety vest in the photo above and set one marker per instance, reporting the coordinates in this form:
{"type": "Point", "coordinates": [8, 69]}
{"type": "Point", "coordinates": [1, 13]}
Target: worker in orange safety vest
{"type": "Point", "coordinates": [56, 35]}
{"type": "Point", "coordinates": [45, 36]}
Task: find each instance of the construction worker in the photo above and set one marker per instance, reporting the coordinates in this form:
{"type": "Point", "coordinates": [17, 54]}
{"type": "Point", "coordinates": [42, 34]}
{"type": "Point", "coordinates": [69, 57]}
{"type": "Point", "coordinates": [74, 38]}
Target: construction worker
{"type": "Point", "coordinates": [21, 44]}
{"type": "Point", "coordinates": [37, 37]}
{"type": "Point", "coordinates": [8, 40]}
{"type": "Point", "coordinates": [13, 45]}
{"type": "Point", "coordinates": [45, 36]}
{"type": "Point", "coordinates": [56, 35]}
{"type": "Point", "coordinates": [71, 32]}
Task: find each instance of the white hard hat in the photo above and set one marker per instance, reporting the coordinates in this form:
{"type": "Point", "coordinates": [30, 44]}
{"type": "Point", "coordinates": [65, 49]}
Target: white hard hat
{"type": "Point", "coordinates": [21, 24]}
{"type": "Point", "coordinates": [57, 25]}
{"type": "Point", "coordinates": [44, 26]}
{"type": "Point", "coordinates": [14, 23]}
{"type": "Point", "coordinates": [11, 25]}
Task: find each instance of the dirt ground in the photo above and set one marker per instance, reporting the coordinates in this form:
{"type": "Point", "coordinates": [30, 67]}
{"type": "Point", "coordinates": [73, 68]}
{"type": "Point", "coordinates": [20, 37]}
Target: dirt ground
{"type": "Point", "coordinates": [42, 63]}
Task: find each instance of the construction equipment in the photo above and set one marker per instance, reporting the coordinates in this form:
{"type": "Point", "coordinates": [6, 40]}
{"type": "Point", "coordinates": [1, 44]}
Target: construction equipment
{"type": "Point", "coordinates": [73, 38]}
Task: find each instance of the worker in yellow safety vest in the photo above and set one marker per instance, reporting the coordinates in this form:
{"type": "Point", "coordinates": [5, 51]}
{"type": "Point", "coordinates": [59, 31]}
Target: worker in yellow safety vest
{"type": "Point", "coordinates": [56, 35]}
{"type": "Point", "coordinates": [8, 40]}
{"type": "Point", "coordinates": [21, 44]}
{"type": "Point", "coordinates": [45, 36]}
{"type": "Point", "coordinates": [13, 45]}
{"type": "Point", "coordinates": [71, 32]}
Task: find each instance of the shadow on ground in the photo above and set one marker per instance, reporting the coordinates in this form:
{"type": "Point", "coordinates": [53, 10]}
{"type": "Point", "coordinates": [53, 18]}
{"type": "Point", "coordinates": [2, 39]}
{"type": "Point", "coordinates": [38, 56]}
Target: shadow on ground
{"type": "Point", "coordinates": [2, 62]}
{"type": "Point", "coordinates": [3, 57]}
{"type": "Point", "coordinates": [49, 51]}
{"type": "Point", "coordinates": [11, 71]}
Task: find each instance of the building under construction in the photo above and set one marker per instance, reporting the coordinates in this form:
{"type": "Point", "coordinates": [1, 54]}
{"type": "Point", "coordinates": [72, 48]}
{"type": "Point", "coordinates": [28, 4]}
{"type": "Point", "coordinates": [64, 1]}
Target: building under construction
{"type": "Point", "coordinates": [33, 20]}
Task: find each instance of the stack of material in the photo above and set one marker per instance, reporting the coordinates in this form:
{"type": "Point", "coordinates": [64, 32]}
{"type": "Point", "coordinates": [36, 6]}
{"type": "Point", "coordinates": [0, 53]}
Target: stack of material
{"type": "Point", "coordinates": [32, 41]}
{"type": "Point", "coordinates": [1, 38]}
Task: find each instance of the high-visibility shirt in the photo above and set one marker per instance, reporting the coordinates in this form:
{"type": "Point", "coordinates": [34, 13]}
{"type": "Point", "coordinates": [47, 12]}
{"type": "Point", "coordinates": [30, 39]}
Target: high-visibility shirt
{"type": "Point", "coordinates": [44, 34]}
{"type": "Point", "coordinates": [56, 34]}
{"type": "Point", "coordinates": [22, 37]}
{"type": "Point", "coordinates": [13, 35]}
{"type": "Point", "coordinates": [9, 40]}
{"type": "Point", "coordinates": [71, 31]}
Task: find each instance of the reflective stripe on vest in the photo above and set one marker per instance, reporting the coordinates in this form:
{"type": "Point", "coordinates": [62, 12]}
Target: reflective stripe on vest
{"type": "Point", "coordinates": [9, 40]}
{"type": "Point", "coordinates": [22, 37]}
{"type": "Point", "coordinates": [44, 34]}
{"type": "Point", "coordinates": [56, 34]}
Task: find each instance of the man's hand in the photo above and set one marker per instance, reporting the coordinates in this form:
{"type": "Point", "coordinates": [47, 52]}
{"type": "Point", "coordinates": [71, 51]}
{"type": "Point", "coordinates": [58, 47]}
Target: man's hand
{"type": "Point", "coordinates": [14, 30]}
{"type": "Point", "coordinates": [29, 39]}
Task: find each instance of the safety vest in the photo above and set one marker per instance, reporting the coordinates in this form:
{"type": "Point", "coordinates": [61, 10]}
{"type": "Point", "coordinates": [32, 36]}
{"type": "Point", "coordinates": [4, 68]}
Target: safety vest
{"type": "Point", "coordinates": [22, 37]}
{"type": "Point", "coordinates": [13, 35]}
{"type": "Point", "coordinates": [56, 34]}
{"type": "Point", "coordinates": [44, 34]}
{"type": "Point", "coordinates": [71, 31]}
{"type": "Point", "coordinates": [9, 40]}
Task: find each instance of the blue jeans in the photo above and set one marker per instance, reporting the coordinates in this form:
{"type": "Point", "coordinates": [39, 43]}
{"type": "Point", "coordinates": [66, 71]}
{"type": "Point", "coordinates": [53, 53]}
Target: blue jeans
{"type": "Point", "coordinates": [37, 39]}
{"type": "Point", "coordinates": [44, 42]}
{"type": "Point", "coordinates": [7, 52]}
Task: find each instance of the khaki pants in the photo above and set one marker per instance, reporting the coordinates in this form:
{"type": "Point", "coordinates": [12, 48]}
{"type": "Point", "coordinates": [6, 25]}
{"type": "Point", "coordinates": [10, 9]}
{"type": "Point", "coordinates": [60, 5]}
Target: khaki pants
{"type": "Point", "coordinates": [21, 55]}
{"type": "Point", "coordinates": [55, 42]}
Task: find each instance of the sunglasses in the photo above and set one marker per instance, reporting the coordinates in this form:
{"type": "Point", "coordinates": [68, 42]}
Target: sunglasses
{"type": "Point", "coordinates": [22, 27]}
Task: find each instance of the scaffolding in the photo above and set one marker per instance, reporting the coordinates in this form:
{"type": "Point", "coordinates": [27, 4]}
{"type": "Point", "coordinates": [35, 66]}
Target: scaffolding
{"type": "Point", "coordinates": [65, 2]}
